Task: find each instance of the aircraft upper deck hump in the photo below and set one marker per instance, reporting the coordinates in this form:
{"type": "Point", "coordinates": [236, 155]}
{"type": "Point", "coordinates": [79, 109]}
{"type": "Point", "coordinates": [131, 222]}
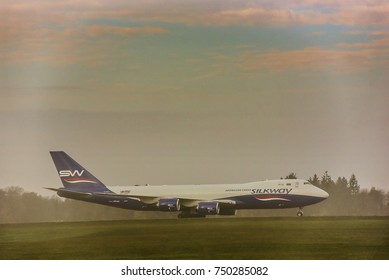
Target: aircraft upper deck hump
{"type": "Point", "coordinates": [75, 177]}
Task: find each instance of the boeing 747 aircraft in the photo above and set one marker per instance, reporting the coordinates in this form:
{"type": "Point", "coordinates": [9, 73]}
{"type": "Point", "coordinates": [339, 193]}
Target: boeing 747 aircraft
{"type": "Point", "coordinates": [189, 200]}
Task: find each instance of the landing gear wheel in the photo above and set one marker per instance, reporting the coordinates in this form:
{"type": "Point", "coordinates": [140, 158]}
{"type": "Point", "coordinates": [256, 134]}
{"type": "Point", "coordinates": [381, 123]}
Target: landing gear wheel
{"type": "Point", "coordinates": [187, 214]}
{"type": "Point", "coordinates": [300, 213]}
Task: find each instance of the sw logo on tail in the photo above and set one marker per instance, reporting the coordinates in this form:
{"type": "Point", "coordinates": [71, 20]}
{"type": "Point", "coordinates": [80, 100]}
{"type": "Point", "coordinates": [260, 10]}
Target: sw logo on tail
{"type": "Point", "coordinates": [188, 200]}
{"type": "Point", "coordinates": [76, 177]}
{"type": "Point", "coordinates": [69, 173]}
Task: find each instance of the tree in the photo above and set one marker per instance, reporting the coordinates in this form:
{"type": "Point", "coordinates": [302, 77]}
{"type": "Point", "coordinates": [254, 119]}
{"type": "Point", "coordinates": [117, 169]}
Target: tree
{"type": "Point", "coordinates": [353, 185]}
{"type": "Point", "coordinates": [377, 201]}
{"type": "Point", "coordinates": [341, 183]}
{"type": "Point", "coordinates": [314, 180]}
{"type": "Point", "coordinates": [386, 204]}
{"type": "Point", "coordinates": [291, 175]}
{"type": "Point", "coordinates": [326, 181]}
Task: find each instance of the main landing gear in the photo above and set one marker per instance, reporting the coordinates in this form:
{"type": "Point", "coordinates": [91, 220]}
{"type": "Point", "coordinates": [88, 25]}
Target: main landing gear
{"type": "Point", "coordinates": [300, 213]}
{"type": "Point", "coordinates": [189, 214]}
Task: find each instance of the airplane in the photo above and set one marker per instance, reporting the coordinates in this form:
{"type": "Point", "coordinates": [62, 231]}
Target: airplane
{"type": "Point", "coordinates": [190, 201]}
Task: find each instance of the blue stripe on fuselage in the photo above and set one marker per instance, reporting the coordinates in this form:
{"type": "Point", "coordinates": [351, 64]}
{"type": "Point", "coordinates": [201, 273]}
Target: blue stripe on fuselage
{"type": "Point", "coordinates": [285, 201]}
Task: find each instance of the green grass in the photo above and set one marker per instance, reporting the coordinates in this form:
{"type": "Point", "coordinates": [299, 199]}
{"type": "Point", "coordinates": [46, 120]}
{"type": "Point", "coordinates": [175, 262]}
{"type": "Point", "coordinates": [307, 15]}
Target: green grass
{"type": "Point", "coordinates": [243, 238]}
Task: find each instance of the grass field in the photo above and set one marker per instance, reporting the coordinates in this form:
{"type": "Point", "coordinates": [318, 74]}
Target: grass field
{"type": "Point", "coordinates": [243, 238]}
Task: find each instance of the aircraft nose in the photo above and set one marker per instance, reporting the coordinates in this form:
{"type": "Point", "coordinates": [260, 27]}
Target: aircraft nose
{"type": "Point", "coordinates": [322, 194]}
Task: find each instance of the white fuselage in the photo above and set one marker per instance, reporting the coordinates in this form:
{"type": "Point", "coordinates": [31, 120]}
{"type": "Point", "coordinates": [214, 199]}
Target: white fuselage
{"type": "Point", "coordinates": [221, 191]}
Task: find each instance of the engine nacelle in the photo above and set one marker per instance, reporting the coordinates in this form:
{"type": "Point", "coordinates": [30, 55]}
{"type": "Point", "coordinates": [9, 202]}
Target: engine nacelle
{"type": "Point", "coordinates": [208, 208]}
{"type": "Point", "coordinates": [169, 204]}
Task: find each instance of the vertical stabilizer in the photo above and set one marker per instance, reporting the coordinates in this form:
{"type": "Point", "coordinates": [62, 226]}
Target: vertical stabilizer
{"type": "Point", "coordinates": [75, 177]}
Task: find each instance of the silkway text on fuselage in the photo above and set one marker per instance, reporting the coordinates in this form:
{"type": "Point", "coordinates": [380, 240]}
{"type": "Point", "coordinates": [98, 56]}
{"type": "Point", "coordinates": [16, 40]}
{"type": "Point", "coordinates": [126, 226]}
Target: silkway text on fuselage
{"type": "Point", "coordinates": [271, 191]}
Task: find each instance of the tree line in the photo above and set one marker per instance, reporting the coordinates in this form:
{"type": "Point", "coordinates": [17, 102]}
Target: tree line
{"type": "Point", "coordinates": [19, 206]}
{"type": "Point", "coordinates": [346, 199]}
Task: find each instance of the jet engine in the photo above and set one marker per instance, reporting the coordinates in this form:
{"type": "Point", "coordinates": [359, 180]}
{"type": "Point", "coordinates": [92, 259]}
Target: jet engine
{"type": "Point", "coordinates": [169, 204]}
{"type": "Point", "coordinates": [208, 208]}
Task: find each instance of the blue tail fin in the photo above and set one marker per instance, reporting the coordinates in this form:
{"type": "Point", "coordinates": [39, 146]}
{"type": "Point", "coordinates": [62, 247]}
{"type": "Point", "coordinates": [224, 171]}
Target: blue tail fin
{"type": "Point", "coordinates": [74, 177]}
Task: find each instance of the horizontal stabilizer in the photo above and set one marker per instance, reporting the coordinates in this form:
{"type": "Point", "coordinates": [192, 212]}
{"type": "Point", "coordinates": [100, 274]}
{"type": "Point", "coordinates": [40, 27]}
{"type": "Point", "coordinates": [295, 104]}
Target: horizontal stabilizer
{"type": "Point", "coordinates": [66, 191]}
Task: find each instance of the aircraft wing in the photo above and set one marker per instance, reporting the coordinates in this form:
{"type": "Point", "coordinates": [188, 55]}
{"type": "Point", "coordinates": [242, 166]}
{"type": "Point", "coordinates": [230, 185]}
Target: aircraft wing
{"type": "Point", "coordinates": [187, 202]}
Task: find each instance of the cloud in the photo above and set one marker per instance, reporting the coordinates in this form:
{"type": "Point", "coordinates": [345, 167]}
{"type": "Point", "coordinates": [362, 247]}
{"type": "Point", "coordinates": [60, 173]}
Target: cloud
{"type": "Point", "coordinates": [353, 13]}
{"type": "Point", "coordinates": [103, 30]}
{"type": "Point", "coordinates": [380, 39]}
{"type": "Point", "coordinates": [226, 13]}
{"type": "Point", "coordinates": [374, 13]}
{"type": "Point", "coordinates": [371, 44]}
{"type": "Point", "coordinates": [314, 58]}
{"type": "Point", "coordinates": [202, 12]}
{"type": "Point", "coordinates": [60, 31]}
{"type": "Point", "coordinates": [262, 16]}
{"type": "Point", "coordinates": [51, 32]}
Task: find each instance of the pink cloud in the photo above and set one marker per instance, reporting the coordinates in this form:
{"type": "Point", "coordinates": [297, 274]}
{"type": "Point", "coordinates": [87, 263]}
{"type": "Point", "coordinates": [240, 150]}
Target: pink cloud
{"type": "Point", "coordinates": [380, 40]}
{"type": "Point", "coordinates": [375, 13]}
{"type": "Point", "coordinates": [222, 13]}
{"type": "Point", "coordinates": [314, 58]}
{"type": "Point", "coordinates": [198, 12]}
{"type": "Point", "coordinates": [41, 31]}
{"type": "Point", "coordinates": [48, 30]}
{"type": "Point", "coordinates": [371, 44]}
{"type": "Point", "coordinates": [102, 30]}
{"type": "Point", "coordinates": [263, 16]}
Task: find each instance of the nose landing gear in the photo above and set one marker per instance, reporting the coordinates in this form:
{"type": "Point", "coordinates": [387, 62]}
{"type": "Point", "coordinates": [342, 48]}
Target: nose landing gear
{"type": "Point", "coordinates": [300, 213]}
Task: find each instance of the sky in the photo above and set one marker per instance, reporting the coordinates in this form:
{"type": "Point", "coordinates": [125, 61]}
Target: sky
{"type": "Point", "coordinates": [192, 92]}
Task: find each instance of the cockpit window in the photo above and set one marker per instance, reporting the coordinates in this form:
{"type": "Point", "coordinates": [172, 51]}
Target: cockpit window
{"type": "Point", "coordinates": [306, 183]}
